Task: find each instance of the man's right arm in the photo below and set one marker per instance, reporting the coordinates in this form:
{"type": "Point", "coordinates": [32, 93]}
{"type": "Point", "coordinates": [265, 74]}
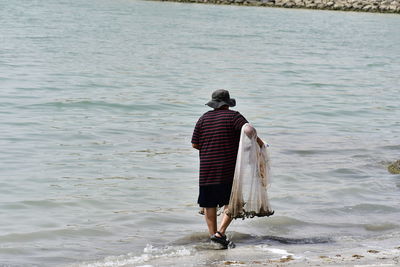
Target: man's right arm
{"type": "Point", "coordinates": [196, 134]}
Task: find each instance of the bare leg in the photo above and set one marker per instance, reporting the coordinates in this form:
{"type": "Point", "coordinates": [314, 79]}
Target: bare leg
{"type": "Point", "coordinates": [211, 219]}
{"type": "Point", "coordinates": [226, 220]}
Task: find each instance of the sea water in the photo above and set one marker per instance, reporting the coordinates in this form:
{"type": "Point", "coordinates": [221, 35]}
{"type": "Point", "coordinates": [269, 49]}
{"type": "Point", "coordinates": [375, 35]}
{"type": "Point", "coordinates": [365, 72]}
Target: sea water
{"type": "Point", "coordinates": [98, 100]}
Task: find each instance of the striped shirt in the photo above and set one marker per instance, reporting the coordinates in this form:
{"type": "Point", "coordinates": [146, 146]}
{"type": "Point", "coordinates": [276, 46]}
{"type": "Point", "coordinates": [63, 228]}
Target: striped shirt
{"type": "Point", "coordinates": [217, 133]}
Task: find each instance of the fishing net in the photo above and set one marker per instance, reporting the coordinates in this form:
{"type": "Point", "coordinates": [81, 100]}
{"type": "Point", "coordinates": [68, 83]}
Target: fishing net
{"type": "Point", "coordinates": [249, 196]}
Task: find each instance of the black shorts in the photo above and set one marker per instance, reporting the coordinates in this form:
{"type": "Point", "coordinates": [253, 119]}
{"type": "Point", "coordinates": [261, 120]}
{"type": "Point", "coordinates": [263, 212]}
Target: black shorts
{"type": "Point", "coordinates": [211, 196]}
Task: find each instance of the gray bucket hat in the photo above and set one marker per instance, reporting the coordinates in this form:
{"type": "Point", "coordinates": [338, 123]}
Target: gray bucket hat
{"type": "Point", "coordinates": [220, 98]}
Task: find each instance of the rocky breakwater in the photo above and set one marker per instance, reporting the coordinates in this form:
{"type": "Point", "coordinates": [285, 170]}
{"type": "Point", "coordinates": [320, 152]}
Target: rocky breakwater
{"type": "Point", "coordinates": [392, 6]}
{"type": "Point", "coordinates": [384, 6]}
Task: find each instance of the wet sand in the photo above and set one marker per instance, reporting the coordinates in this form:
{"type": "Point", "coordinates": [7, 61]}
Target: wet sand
{"type": "Point", "coordinates": [203, 253]}
{"type": "Point", "coordinates": [370, 258]}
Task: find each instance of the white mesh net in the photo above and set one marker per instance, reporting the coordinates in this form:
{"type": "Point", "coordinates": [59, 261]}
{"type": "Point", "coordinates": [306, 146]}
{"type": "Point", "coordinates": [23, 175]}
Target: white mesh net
{"type": "Point", "coordinates": [249, 196]}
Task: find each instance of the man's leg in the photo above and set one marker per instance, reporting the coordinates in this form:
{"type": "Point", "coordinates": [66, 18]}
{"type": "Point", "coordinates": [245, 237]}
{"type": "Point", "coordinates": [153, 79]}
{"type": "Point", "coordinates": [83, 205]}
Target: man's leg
{"type": "Point", "coordinates": [211, 219]}
{"type": "Point", "coordinates": [226, 220]}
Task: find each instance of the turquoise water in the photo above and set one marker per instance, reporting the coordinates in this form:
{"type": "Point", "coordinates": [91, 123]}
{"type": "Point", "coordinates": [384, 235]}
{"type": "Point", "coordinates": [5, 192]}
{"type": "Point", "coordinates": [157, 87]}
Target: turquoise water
{"type": "Point", "coordinates": [98, 103]}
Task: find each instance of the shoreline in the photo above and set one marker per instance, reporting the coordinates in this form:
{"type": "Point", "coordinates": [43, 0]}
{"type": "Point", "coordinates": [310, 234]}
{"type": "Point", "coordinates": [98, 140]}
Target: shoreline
{"type": "Point", "coordinates": [375, 6]}
{"type": "Point", "coordinates": [257, 256]}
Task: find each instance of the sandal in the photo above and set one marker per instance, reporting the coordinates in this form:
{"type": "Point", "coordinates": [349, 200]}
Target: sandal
{"type": "Point", "coordinates": [220, 239]}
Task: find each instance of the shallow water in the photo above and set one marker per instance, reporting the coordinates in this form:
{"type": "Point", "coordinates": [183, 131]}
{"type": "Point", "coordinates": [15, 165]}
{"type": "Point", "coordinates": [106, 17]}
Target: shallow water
{"type": "Point", "coordinates": [98, 103]}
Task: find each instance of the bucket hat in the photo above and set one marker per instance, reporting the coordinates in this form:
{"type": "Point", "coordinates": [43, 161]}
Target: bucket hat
{"type": "Point", "coordinates": [220, 98]}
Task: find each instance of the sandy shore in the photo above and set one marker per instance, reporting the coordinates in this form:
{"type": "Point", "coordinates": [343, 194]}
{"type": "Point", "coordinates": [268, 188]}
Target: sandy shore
{"type": "Point", "coordinates": [269, 256]}
{"type": "Point", "coordinates": [370, 258]}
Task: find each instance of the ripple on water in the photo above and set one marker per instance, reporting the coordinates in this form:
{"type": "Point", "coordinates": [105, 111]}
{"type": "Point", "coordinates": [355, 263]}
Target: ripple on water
{"type": "Point", "coordinates": [70, 232]}
{"type": "Point", "coordinates": [100, 105]}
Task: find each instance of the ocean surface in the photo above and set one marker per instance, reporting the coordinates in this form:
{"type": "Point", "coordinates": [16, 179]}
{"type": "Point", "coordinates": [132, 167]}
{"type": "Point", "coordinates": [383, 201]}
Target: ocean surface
{"type": "Point", "coordinates": [98, 100]}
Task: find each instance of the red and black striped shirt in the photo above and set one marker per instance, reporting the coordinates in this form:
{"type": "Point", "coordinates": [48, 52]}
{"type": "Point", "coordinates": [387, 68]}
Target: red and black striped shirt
{"type": "Point", "coordinates": [217, 133]}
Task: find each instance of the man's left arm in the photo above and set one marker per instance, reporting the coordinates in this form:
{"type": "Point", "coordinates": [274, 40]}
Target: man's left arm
{"type": "Point", "coordinates": [260, 142]}
{"type": "Point", "coordinates": [196, 146]}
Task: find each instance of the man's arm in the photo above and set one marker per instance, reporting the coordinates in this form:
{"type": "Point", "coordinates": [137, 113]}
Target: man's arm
{"type": "Point", "coordinates": [260, 142]}
{"type": "Point", "coordinates": [250, 131]}
{"type": "Point", "coordinates": [196, 146]}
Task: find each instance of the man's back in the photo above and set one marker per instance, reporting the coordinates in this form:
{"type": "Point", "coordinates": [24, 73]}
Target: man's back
{"type": "Point", "coordinates": [217, 133]}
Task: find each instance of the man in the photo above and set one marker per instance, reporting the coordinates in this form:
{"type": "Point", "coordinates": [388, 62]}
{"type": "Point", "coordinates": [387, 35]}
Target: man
{"type": "Point", "coordinates": [216, 136]}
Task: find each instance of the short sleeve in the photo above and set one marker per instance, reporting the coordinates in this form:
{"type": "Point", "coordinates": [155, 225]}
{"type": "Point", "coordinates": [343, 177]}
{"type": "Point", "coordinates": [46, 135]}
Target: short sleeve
{"type": "Point", "coordinates": [196, 132]}
{"type": "Point", "coordinates": [239, 121]}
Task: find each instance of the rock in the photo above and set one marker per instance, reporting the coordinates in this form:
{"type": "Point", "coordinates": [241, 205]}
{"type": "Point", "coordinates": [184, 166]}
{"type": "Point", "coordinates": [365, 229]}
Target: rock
{"type": "Point", "coordinates": [394, 168]}
{"type": "Point", "coordinates": [348, 5]}
{"type": "Point", "coordinates": [289, 5]}
{"type": "Point", "coordinates": [358, 5]}
{"type": "Point", "coordinates": [383, 7]}
{"type": "Point", "coordinates": [367, 8]}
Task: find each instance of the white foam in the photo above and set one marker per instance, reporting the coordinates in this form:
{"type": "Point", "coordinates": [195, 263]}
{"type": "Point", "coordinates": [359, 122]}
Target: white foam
{"type": "Point", "coordinates": [281, 252]}
{"type": "Point", "coordinates": [274, 250]}
{"type": "Point", "coordinates": [150, 253]}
